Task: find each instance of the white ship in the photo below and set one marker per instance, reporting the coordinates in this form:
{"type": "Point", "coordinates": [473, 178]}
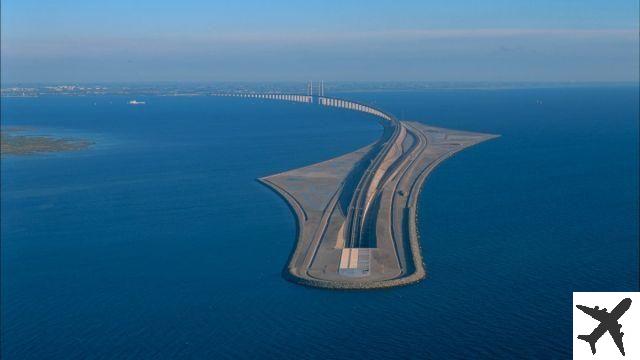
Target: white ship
{"type": "Point", "coordinates": [135, 102]}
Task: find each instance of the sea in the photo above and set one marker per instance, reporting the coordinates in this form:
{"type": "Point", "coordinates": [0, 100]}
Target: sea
{"type": "Point", "coordinates": [157, 242]}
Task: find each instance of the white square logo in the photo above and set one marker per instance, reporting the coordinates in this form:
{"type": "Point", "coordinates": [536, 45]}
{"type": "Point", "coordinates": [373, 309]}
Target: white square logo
{"type": "Point", "coordinates": [606, 325]}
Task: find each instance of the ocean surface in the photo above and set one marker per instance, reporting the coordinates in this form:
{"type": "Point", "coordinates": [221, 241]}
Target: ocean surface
{"type": "Point", "coordinates": [158, 242]}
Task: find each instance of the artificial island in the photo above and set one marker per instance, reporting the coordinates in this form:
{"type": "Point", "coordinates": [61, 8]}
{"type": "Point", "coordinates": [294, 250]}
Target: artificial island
{"type": "Point", "coordinates": [356, 214]}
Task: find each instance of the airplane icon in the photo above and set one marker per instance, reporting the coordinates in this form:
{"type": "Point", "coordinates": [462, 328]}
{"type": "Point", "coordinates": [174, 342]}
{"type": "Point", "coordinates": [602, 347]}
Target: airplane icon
{"type": "Point", "coordinates": [608, 322]}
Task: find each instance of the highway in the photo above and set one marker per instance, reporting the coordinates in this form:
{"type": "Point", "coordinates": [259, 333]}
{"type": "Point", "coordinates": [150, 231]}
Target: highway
{"type": "Point", "coordinates": [359, 205]}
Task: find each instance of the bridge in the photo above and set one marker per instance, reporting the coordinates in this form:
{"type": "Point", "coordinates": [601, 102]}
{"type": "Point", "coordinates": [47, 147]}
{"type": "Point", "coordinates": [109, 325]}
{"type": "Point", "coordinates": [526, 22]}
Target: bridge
{"type": "Point", "coordinates": [356, 214]}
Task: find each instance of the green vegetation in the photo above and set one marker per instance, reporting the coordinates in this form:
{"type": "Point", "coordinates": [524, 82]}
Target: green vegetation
{"type": "Point", "coordinates": [12, 144]}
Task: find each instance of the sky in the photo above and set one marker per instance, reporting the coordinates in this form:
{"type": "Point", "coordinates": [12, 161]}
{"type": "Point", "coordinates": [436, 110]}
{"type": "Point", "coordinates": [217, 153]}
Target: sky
{"type": "Point", "coordinates": [374, 40]}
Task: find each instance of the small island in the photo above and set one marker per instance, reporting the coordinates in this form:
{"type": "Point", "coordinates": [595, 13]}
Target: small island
{"type": "Point", "coordinates": [13, 143]}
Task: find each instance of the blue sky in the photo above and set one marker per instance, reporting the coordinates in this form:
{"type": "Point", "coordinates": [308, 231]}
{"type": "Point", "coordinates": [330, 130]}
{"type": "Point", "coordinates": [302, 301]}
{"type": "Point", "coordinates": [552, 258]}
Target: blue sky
{"type": "Point", "coordinates": [194, 40]}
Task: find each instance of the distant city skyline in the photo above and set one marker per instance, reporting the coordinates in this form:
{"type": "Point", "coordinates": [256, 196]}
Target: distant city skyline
{"type": "Point", "coordinates": [193, 40]}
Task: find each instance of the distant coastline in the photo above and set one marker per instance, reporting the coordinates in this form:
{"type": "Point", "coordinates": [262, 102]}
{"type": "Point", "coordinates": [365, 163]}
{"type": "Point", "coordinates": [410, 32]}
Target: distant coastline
{"type": "Point", "coordinates": [30, 90]}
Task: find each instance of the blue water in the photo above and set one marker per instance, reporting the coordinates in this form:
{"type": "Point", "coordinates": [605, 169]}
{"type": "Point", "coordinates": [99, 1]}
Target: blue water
{"type": "Point", "coordinates": [159, 243]}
